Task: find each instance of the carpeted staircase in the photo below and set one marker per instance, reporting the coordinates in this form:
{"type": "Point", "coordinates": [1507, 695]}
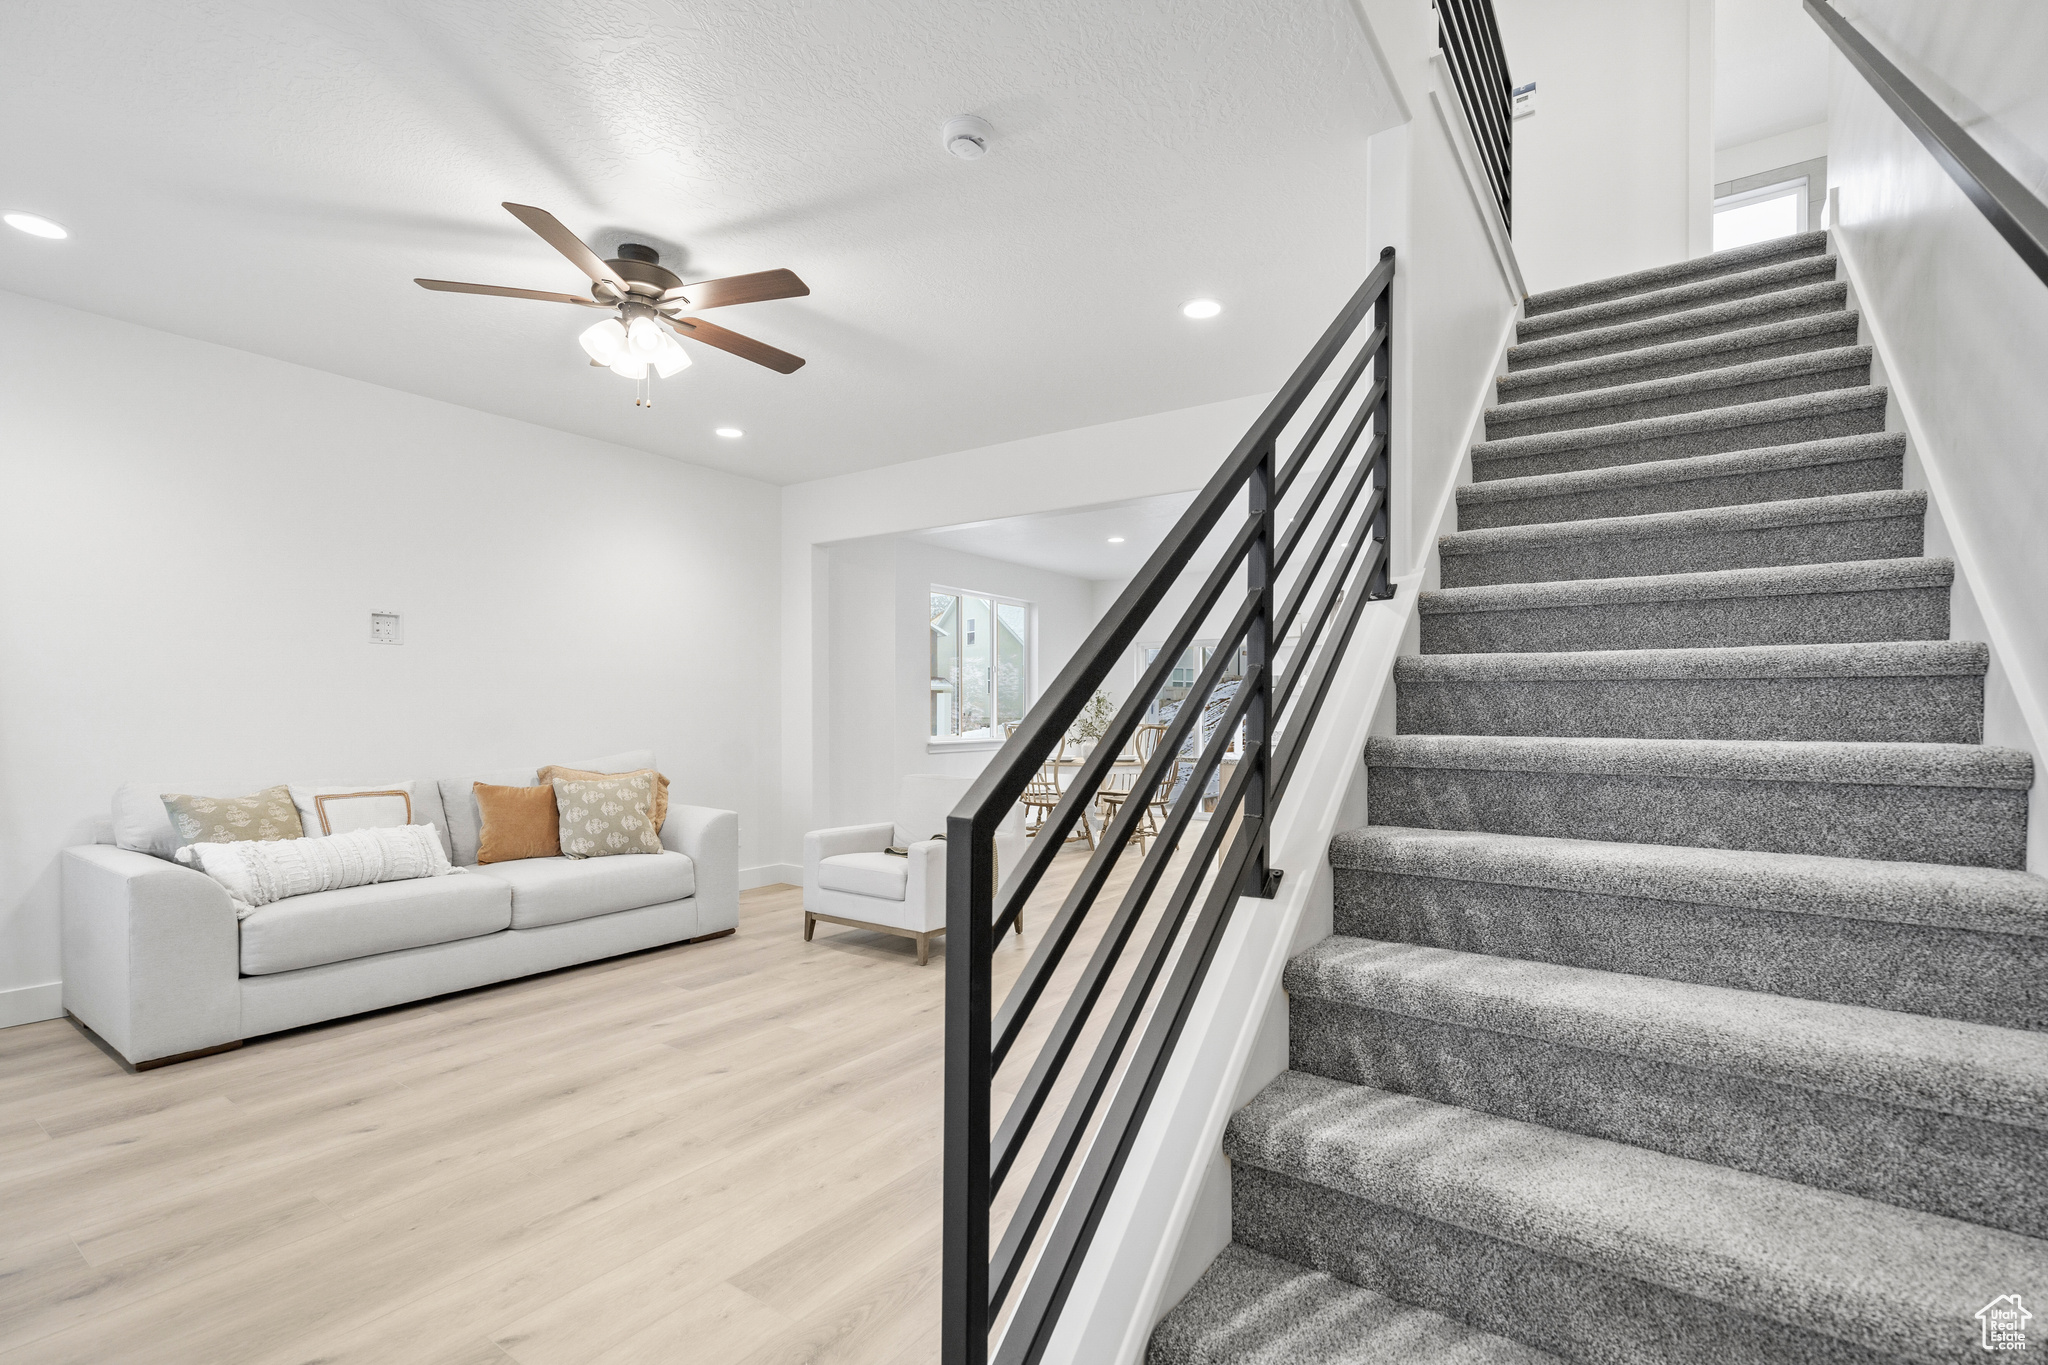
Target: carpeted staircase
{"type": "Point", "coordinates": [1686, 1001]}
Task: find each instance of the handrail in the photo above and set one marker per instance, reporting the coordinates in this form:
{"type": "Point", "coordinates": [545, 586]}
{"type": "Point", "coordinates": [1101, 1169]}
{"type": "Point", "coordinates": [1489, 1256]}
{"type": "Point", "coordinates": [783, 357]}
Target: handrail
{"type": "Point", "coordinates": [2016, 211]}
{"type": "Point", "coordinates": [1469, 35]}
{"type": "Point", "coordinates": [1270, 710]}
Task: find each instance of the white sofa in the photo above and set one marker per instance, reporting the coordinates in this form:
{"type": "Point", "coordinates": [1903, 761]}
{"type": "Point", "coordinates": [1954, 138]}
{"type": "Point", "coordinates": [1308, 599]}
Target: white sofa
{"type": "Point", "coordinates": [157, 965]}
{"type": "Point", "coordinates": [849, 880]}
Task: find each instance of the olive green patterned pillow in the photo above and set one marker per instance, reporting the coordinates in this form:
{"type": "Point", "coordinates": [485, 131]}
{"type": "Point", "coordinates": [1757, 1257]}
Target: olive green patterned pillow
{"type": "Point", "coordinates": [269, 814]}
{"type": "Point", "coordinates": [601, 816]}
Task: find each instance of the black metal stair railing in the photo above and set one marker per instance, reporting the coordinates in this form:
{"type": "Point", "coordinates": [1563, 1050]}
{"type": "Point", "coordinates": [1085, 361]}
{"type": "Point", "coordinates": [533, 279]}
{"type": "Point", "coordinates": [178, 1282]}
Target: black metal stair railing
{"type": "Point", "coordinates": [1469, 35]}
{"type": "Point", "coordinates": [1070, 1127]}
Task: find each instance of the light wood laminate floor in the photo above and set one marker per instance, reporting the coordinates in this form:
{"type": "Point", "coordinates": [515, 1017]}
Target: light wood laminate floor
{"type": "Point", "coordinates": [724, 1152]}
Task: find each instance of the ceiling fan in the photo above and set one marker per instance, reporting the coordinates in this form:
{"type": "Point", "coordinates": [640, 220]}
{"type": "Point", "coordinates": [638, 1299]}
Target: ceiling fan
{"type": "Point", "coordinates": [642, 297]}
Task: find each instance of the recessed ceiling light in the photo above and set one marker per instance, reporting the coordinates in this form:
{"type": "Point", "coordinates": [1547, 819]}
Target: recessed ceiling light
{"type": "Point", "coordinates": [33, 225]}
{"type": "Point", "coordinates": [1202, 308]}
{"type": "Point", "coordinates": [731, 433]}
{"type": "Point", "coordinates": [1116, 540]}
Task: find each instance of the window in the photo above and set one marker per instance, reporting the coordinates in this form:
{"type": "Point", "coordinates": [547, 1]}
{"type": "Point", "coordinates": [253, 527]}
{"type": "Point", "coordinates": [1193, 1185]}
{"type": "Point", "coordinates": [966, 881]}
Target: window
{"type": "Point", "coordinates": [1759, 215]}
{"type": "Point", "coordinates": [980, 664]}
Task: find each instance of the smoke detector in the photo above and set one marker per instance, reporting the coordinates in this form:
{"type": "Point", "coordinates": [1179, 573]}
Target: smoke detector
{"type": "Point", "coordinates": [967, 136]}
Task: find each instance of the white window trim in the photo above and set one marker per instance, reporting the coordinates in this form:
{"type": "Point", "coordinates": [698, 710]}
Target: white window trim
{"type": "Point", "coordinates": [1796, 186]}
{"type": "Point", "coordinates": [950, 744]}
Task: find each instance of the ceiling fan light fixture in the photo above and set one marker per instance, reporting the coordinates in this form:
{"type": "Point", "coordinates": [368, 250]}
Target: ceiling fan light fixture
{"type": "Point", "coordinates": [644, 337]}
{"type": "Point", "coordinates": [605, 341]}
{"type": "Point", "coordinates": [671, 359]}
{"type": "Point", "coordinates": [629, 366]}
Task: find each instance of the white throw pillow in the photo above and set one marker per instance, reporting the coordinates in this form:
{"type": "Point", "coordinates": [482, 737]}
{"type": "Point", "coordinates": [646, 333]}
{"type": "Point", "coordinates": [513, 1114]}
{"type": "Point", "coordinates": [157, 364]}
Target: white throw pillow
{"type": "Point", "coordinates": [259, 872]}
{"type": "Point", "coordinates": [337, 810]}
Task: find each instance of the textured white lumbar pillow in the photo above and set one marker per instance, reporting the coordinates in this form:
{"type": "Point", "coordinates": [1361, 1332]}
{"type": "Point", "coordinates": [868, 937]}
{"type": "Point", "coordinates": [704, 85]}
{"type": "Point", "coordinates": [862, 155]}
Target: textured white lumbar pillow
{"type": "Point", "coordinates": [259, 872]}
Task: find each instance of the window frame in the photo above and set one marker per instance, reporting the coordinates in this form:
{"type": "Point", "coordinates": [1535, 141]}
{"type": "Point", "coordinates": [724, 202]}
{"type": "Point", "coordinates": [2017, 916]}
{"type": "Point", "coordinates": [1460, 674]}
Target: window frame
{"type": "Point", "coordinates": [996, 600]}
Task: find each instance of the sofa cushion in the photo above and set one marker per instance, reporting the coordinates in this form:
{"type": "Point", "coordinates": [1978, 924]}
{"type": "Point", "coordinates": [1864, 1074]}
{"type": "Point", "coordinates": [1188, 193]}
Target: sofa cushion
{"type": "Point", "coordinates": [557, 890]}
{"type": "Point", "coordinates": [465, 822]}
{"type": "Point", "coordinates": [361, 921]}
{"type": "Point", "coordinates": [878, 876]}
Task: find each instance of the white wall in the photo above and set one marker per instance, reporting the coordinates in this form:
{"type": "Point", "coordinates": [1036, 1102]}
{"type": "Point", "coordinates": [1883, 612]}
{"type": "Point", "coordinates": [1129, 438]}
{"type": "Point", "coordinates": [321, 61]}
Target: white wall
{"type": "Point", "coordinates": [1614, 172]}
{"type": "Point", "coordinates": [192, 538]}
{"type": "Point", "coordinates": [1962, 325]}
{"type": "Point", "coordinates": [877, 619]}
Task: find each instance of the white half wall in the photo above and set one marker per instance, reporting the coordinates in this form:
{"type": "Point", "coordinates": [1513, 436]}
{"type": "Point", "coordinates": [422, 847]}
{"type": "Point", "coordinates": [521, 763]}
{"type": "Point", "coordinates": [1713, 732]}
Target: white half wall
{"type": "Point", "coordinates": [193, 538]}
{"type": "Point", "coordinates": [1614, 171]}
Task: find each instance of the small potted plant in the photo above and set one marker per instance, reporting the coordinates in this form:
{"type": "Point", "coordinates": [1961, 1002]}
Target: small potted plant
{"type": "Point", "coordinates": [1090, 725]}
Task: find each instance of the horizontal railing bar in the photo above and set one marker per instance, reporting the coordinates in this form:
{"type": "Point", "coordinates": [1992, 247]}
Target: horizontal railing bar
{"type": "Point", "coordinates": [1024, 1343]}
{"type": "Point", "coordinates": [1037, 1086]}
{"type": "Point", "coordinates": [1052, 831]}
{"type": "Point", "coordinates": [2014, 211]}
{"type": "Point", "coordinates": [1332, 467]}
{"type": "Point", "coordinates": [1327, 599]}
{"type": "Point", "coordinates": [1339, 521]}
{"type": "Point", "coordinates": [1327, 414]}
{"type": "Point", "coordinates": [1045, 1179]}
{"type": "Point", "coordinates": [1005, 776]}
{"type": "Point", "coordinates": [1304, 720]}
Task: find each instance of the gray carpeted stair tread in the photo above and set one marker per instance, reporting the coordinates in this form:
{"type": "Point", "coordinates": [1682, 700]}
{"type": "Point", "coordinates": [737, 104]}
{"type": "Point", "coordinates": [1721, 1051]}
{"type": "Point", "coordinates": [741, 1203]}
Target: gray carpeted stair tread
{"type": "Point", "coordinates": [1950, 942]}
{"type": "Point", "coordinates": [1930, 691]}
{"type": "Point", "coordinates": [1735, 1244]}
{"type": "Point", "coordinates": [1764, 279]}
{"type": "Point", "coordinates": [1937, 803]}
{"type": "Point", "coordinates": [1843, 464]}
{"type": "Point", "coordinates": [1745, 382]}
{"type": "Point", "coordinates": [1741, 426]}
{"type": "Point", "coordinates": [1784, 336]}
{"type": "Point", "coordinates": [1828, 530]}
{"type": "Point", "coordinates": [1732, 261]}
{"type": "Point", "coordinates": [1879, 599]}
{"type": "Point", "coordinates": [1939, 1065]}
{"type": "Point", "coordinates": [1934, 895]}
{"type": "Point", "coordinates": [1734, 316]}
{"type": "Point", "coordinates": [1252, 1309]}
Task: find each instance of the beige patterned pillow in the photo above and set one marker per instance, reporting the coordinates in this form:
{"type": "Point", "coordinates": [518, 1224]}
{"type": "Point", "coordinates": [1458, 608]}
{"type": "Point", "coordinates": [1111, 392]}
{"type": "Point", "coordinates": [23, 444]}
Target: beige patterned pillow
{"type": "Point", "coordinates": [601, 816]}
{"type": "Point", "coordinates": [269, 814]}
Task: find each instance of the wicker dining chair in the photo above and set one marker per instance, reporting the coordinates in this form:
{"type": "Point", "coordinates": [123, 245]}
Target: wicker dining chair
{"type": "Point", "coordinates": [1042, 795]}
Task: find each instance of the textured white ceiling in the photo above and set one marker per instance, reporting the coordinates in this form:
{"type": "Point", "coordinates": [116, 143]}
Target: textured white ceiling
{"type": "Point", "coordinates": [272, 175]}
{"type": "Point", "coordinates": [1075, 542]}
{"type": "Point", "coordinates": [1770, 70]}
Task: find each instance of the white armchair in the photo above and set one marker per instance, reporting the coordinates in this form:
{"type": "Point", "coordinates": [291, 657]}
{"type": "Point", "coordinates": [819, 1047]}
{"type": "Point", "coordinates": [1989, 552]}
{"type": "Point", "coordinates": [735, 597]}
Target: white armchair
{"type": "Point", "coordinates": [849, 880]}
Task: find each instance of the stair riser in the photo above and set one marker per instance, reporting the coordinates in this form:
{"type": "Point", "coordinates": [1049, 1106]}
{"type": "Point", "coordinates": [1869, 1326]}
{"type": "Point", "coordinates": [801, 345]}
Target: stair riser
{"type": "Point", "coordinates": [1820, 340]}
{"type": "Point", "coordinates": [1737, 490]}
{"type": "Point", "coordinates": [1967, 826]}
{"type": "Point", "coordinates": [1915, 969]}
{"type": "Point", "coordinates": [1501, 424]}
{"type": "Point", "coordinates": [1981, 1172]}
{"type": "Point", "coordinates": [1542, 304]}
{"type": "Point", "coordinates": [1858, 421]}
{"type": "Point", "coordinates": [1831, 300]}
{"type": "Point", "coordinates": [1827, 542]}
{"type": "Point", "coordinates": [1575, 1310]}
{"type": "Point", "coordinates": [1640, 309]}
{"type": "Point", "coordinates": [1796, 619]}
{"type": "Point", "coordinates": [1930, 710]}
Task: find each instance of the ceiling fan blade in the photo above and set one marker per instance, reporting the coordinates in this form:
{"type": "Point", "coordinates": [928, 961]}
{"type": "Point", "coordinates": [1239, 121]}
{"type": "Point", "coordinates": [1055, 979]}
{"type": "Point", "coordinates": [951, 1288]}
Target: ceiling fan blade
{"type": "Point", "coordinates": [506, 291]}
{"type": "Point", "coordinates": [552, 232]}
{"type": "Point", "coordinates": [746, 348]}
{"type": "Point", "coordinates": [763, 284]}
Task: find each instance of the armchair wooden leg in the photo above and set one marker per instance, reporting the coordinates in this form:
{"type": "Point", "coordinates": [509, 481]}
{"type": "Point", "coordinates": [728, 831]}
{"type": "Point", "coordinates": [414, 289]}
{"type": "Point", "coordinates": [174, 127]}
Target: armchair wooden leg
{"type": "Point", "coordinates": [924, 949]}
{"type": "Point", "coordinates": [810, 923]}
{"type": "Point", "coordinates": [1020, 924]}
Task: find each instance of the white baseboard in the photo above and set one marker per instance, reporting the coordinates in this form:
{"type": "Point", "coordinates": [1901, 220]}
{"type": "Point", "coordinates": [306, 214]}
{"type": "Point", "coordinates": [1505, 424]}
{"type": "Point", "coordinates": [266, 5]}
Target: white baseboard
{"type": "Point", "coordinates": [31, 1004]}
{"type": "Point", "coordinates": [771, 874]}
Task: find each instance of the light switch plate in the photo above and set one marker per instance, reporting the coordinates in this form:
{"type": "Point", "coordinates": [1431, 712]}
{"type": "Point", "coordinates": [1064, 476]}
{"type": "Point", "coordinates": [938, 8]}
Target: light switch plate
{"type": "Point", "coordinates": [386, 628]}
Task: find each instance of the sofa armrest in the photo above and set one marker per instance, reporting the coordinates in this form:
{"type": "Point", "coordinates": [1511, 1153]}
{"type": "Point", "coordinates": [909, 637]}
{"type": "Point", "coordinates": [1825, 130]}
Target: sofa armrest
{"type": "Point", "coordinates": [152, 953]}
{"type": "Point", "coordinates": [711, 839]}
{"type": "Point", "coordinates": [821, 844]}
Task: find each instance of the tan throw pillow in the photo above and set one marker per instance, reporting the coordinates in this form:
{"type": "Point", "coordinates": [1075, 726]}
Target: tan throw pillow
{"type": "Point", "coordinates": [555, 770]}
{"type": "Point", "coordinates": [516, 822]}
{"type": "Point", "coordinates": [269, 814]}
{"type": "Point", "coordinates": [602, 816]}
